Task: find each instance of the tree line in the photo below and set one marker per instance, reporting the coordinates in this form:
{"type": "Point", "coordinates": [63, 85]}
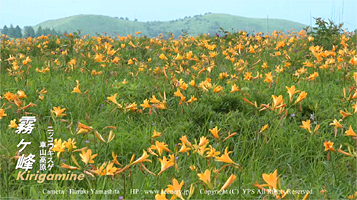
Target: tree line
{"type": "Point", "coordinates": [27, 31]}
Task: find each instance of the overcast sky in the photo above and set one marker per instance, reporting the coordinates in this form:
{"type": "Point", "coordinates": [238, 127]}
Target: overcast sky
{"type": "Point", "coordinates": [33, 12]}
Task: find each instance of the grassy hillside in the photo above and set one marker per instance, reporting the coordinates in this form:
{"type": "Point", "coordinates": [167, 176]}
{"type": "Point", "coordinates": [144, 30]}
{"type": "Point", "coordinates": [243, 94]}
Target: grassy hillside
{"type": "Point", "coordinates": [208, 23]}
{"type": "Point", "coordinates": [197, 118]}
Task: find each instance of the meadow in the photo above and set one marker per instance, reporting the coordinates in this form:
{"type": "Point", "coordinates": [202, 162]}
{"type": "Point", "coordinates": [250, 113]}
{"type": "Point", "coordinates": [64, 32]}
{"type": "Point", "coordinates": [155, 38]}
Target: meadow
{"type": "Point", "coordinates": [226, 116]}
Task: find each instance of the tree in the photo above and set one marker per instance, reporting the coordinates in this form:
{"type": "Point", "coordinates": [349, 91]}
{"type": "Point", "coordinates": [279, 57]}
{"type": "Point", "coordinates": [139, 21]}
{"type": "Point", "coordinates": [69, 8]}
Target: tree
{"type": "Point", "coordinates": [39, 31]}
{"type": "Point", "coordinates": [59, 33]}
{"type": "Point", "coordinates": [11, 31]}
{"type": "Point", "coordinates": [17, 32]}
{"type": "Point", "coordinates": [5, 30]}
{"type": "Point", "coordinates": [29, 32]}
{"type": "Point", "coordinates": [46, 31]}
{"type": "Point", "coordinates": [325, 34]}
{"type": "Point", "coordinates": [53, 32]}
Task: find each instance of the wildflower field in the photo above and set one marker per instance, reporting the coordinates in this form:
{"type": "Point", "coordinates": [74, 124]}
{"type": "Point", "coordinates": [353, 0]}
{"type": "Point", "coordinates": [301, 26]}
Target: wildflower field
{"type": "Point", "coordinates": [229, 116]}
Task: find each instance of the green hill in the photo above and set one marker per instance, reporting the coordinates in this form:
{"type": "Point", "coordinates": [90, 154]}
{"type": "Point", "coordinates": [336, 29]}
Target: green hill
{"type": "Point", "coordinates": [208, 23]}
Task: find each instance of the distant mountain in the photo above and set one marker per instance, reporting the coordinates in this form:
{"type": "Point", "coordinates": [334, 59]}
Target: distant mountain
{"type": "Point", "coordinates": [196, 25]}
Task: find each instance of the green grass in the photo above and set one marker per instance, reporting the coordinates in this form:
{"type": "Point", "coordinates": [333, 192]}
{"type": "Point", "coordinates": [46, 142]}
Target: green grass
{"type": "Point", "coordinates": [298, 156]}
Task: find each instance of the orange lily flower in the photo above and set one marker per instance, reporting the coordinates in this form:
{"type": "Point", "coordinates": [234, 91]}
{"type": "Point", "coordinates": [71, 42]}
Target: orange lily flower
{"type": "Point", "coordinates": [13, 124]}
{"type": "Point", "coordinates": [265, 127]}
{"type": "Point", "coordinates": [203, 141]}
{"type": "Point", "coordinates": [301, 97]}
{"type": "Point", "coordinates": [132, 107]}
{"type": "Point", "coordinates": [2, 113]}
{"type": "Point", "coordinates": [218, 89]}
{"type": "Point", "coordinates": [192, 83]}
{"type": "Point", "coordinates": [291, 92]}
{"type": "Point", "coordinates": [113, 98]}
{"type": "Point", "coordinates": [106, 169]}
{"type": "Point", "coordinates": [175, 188]}
{"type": "Point", "coordinates": [328, 146]}
{"type": "Point", "coordinates": [163, 57]}
{"type": "Point", "coordinates": [234, 88]}
{"type": "Point", "coordinates": [206, 178]}
{"type": "Point", "coordinates": [225, 157]}
{"type": "Point", "coordinates": [70, 144]}
{"type": "Point", "coordinates": [353, 61]}
{"type": "Point", "coordinates": [111, 136]}
{"type": "Point", "coordinates": [192, 168]}
{"type": "Point", "coordinates": [161, 196]}
{"type": "Point", "coordinates": [115, 159]}
{"type": "Point", "coordinates": [58, 147]}
{"type": "Point", "coordinates": [21, 94]}
{"type": "Point", "coordinates": [160, 147]}
{"type": "Point", "coordinates": [178, 57]}
{"type": "Point", "coordinates": [350, 132]}
{"type": "Point", "coordinates": [124, 81]}
{"type": "Point", "coordinates": [230, 135]}
{"type": "Point", "coordinates": [185, 140]}
{"type": "Point", "coordinates": [143, 158]}
{"type": "Point", "coordinates": [192, 99]}
{"type": "Point", "coordinates": [255, 103]}
{"type": "Point", "coordinates": [248, 76]}
{"type": "Point", "coordinates": [156, 134]}
{"type": "Point", "coordinates": [83, 128]}
{"type": "Point", "coordinates": [306, 196]}
{"type": "Point", "coordinates": [179, 94]}
{"type": "Point", "coordinates": [230, 180]}
{"type": "Point", "coordinates": [214, 132]}
{"type": "Point", "coordinates": [87, 157]}
{"type": "Point", "coordinates": [166, 164]}
{"type": "Point", "coordinates": [161, 106]}
{"type": "Point", "coordinates": [145, 104]}
{"type": "Point", "coordinates": [268, 78]}
{"type": "Point", "coordinates": [306, 125]}
{"type": "Point", "coordinates": [68, 167]}
{"type": "Point", "coordinates": [151, 152]}
{"type": "Point", "coordinates": [345, 114]}
{"type": "Point", "coordinates": [58, 111]}
{"type": "Point", "coordinates": [336, 124]}
{"type": "Point", "coordinates": [98, 57]}
{"type": "Point", "coordinates": [212, 153]}
{"type": "Point", "coordinates": [27, 60]}
{"type": "Point", "coordinates": [313, 76]}
{"type": "Point", "coordinates": [271, 179]}
{"type": "Point", "coordinates": [184, 148]}
{"type": "Point", "coordinates": [154, 99]}
{"type": "Point", "coordinates": [10, 96]}
{"type": "Point", "coordinates": [130, 62]}
{"type": "Point", "coordinates": [76, 90]}
{"type": "Point", "coordinates": [277, 102]}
